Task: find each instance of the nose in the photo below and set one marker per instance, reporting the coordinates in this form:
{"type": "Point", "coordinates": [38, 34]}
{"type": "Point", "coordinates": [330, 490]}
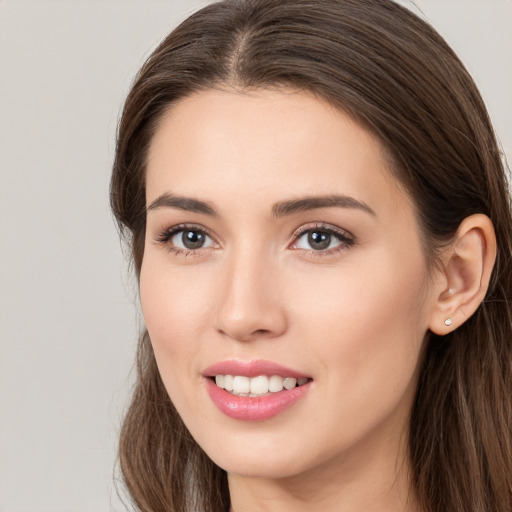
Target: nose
{"type": "Point", "coordinates": [250, 302]}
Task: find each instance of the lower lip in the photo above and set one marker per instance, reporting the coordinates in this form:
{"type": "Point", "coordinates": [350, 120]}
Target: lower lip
{"type": "Point", "coordinates": [256, 408]}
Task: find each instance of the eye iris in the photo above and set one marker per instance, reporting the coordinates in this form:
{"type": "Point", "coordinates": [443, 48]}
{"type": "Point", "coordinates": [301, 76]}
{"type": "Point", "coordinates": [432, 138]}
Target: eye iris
{"type": "Point", "coordinates": [319, 240]}
{"type": "Point", "coordinates": [193, 239]}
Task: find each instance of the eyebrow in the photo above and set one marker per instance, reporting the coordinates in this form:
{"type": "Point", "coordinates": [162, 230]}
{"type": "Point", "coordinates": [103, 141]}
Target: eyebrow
{"type": "Point", "coordinates": [281, 209]}
{"type": "Point", "coordinates": [187, 204]}
{"type": "Point", "coordinates": [311, 203]}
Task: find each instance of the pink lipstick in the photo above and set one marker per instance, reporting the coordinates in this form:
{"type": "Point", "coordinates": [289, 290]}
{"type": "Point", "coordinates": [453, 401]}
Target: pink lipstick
{"type": "Point", "coordinates": [254, 390]}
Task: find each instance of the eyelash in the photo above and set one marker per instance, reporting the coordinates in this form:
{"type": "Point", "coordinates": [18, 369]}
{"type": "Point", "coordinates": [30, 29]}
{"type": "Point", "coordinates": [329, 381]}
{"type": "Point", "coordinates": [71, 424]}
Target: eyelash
{"type": "Point", "coordinates": [345, 238]}
{"type": "Point", "coordinates": [167, 235]}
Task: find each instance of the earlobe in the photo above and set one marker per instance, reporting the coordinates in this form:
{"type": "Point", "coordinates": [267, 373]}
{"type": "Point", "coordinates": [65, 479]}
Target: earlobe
{"type": "Point", "coordinates": [466, 271]}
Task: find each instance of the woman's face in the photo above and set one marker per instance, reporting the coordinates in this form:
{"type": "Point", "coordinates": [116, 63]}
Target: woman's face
{"type": "Point", "coordinates": [280, 251]}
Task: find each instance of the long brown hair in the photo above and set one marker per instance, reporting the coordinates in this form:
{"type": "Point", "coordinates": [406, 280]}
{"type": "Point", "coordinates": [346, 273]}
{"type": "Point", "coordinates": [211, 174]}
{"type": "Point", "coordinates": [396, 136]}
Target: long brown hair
{"type": "Point", "coordinates": [394, 74]}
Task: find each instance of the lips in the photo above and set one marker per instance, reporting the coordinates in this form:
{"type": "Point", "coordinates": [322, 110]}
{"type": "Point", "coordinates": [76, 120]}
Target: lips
{"type": "Point", "coordinates": [251, 369]}
{"type": "Point", "coordinates": [255, 390]}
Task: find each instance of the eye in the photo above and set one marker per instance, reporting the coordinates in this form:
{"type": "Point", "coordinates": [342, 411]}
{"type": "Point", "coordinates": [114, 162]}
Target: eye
{"type": "Point", "coordinates": [191, 239]}
{"type": "Point", "coordinates": [322, 239]}
{"type": "Point", "coordinates": [186, 238]}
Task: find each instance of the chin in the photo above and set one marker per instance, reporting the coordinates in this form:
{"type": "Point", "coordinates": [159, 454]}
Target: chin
{"type": "Point", "coordinates": [253, 458]}
{"type": "Point", "coordinates": [259, 468]}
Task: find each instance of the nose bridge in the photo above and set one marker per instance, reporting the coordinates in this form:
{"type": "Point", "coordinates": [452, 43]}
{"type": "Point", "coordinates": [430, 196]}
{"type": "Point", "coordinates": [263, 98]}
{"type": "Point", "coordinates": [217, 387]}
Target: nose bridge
{"type": "Point", "coordinates": [249, 299]}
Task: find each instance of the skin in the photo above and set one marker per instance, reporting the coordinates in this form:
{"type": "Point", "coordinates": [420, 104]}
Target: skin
{"type": "Point", "coordinates": [353, 317]}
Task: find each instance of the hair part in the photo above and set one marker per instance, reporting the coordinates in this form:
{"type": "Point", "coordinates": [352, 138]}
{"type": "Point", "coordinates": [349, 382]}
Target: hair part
{"type": "Point", "coordinates": [395, 75]}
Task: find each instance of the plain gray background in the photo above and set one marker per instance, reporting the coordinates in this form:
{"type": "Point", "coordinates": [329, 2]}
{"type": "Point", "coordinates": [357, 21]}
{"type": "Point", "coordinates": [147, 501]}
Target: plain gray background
{"type": "Point", "coordinates": [68, 313]}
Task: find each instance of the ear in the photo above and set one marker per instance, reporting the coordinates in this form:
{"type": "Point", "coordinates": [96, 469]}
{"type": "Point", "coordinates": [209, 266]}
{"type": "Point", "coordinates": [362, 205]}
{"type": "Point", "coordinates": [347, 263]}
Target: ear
{"type": "Point", "coordinates": [464, 274]}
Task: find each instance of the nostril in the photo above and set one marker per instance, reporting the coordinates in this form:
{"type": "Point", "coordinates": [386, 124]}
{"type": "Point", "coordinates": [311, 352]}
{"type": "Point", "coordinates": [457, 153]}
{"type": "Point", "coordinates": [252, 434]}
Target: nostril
{"type": "Point", "coordinates": [258, 333]}
{"type": "Point", "coordinates": [261, 332]}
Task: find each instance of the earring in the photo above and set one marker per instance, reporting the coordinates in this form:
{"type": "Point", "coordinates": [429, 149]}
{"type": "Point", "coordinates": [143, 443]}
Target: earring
{"type": "Point", "coordinates": [448, 322]}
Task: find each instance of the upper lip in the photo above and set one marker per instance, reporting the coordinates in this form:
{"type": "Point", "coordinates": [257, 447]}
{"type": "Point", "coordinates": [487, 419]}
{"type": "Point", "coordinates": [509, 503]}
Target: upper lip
{"type": "Point", "coordinates": [251, 369]}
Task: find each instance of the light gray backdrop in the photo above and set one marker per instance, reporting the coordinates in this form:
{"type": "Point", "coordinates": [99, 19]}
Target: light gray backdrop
{"type": "Point", "coordinates": [68, 323]}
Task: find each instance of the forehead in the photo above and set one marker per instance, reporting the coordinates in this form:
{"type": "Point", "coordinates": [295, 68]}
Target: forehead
{"type": "Point", "coordinates": [266, 144]}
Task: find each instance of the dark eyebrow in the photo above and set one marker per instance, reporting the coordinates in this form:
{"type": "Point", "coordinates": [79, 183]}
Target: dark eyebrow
{"type": "Point", "coordinates": [280, 209]}
{"type": "Point", "coordinates": [311, 203]}
{"type": "Point", "coordinates": [188, 204]}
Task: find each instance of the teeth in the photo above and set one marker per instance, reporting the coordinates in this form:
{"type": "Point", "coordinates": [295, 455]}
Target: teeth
{"type": "Point", "coordinates": [289, 382]}
{"type": "Point", "coordinates": [275, 384]}
{"type": "Point", "coordinates": [241, 384]}
{"type": "Point", "coordinates": [257, 386]}
{"type": "Point", "coordinates": [228, 382]}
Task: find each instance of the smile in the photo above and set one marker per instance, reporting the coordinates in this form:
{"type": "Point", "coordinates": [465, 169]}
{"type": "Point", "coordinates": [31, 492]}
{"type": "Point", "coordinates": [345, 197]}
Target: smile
{"type": "Point", "coordinates": [261, 385]}
{"type": "Point", "coordinates": [254, 390]}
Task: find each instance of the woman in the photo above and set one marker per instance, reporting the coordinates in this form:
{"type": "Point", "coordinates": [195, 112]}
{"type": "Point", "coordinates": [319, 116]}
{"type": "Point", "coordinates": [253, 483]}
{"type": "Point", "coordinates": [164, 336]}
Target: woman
{"type": "Point", "coordinates": [322, 234]}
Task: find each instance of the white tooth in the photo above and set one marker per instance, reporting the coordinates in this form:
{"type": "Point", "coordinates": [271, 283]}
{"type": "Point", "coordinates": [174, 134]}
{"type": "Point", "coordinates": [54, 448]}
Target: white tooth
{"type": "Point", "coordinates": [289, 382]}
{"type": "Point", "coordinates": [228, 382]}
{"type": "Point", "coordinates": [240, 384]}
{"type": "Point", "coordinates": [259, 385]}
{"type": "Point", "coordinates": [300, 382]}
{"type": "Point", "coordinates": [275, 384]}
{"type": "Point", "coordinates": [219, 380]}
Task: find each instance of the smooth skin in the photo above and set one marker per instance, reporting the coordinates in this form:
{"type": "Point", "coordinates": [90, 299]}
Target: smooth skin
{"type": "Point", "coordinates": [340, 292]}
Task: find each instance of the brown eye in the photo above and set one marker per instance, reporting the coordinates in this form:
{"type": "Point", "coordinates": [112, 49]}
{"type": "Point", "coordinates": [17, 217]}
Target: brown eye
{"type": "Point", "coordinates": [323, 240]}
{"type": "Point", "coordinates": [192, 239]}
{"type": "Point", "coordinates": [319, 240]}
{"type": "Point", "coordinates": [187, 239]}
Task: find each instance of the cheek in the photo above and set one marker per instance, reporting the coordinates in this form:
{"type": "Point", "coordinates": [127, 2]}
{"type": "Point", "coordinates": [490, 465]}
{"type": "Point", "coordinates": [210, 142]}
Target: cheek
{"type": "Point", "coordinates": [167, 307]}
{"type": "Point", "coordinates": [368, 323]}
{"type": "Point", "coordinates": [174, 306]}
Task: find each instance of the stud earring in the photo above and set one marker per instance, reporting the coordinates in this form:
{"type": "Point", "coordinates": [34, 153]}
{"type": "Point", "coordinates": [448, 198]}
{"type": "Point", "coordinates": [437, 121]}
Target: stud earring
{"type": "Point", "coordinates": [448, 322]}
